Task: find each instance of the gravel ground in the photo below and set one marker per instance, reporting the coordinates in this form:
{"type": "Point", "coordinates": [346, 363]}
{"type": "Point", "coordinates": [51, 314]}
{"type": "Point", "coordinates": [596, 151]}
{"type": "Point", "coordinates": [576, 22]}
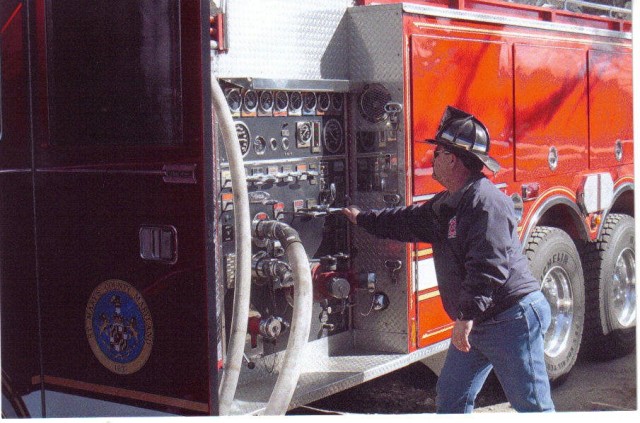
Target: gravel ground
{"type": "Point", "coordinates": [592, 386]}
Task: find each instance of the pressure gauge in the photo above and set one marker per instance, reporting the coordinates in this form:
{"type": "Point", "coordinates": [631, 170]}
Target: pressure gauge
{"type": "Point", "coordinates": [281, 102]}
{"type": "Point", "coordinates": [304, 133]}
{"type": "Point", "coordinates": [295, 103]}
{"type": "Point", "coordinates": [336, 101]}
{"type": "Point", "coordinates": [324, 102]}
{"type": "Point", "coordinates": [309, 102]}
{"type": "Point", "coordinates": [244, 137]}
{"type": "Point", "coordinates": [234, 99]}
{"type": "Point", "coordinates": [266, 102]}
{"type": "Point", "coordinates": [333, 136]}
{"type": "Point", "coordinates": [250, 103]}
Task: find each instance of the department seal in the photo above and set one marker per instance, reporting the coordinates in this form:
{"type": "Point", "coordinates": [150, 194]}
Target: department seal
{"type": "Point", "coordinates": [119, 327]}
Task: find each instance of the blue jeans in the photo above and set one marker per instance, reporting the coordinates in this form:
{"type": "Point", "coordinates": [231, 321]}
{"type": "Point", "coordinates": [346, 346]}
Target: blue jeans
{"type": "Point", "coordinates": [512, 344]}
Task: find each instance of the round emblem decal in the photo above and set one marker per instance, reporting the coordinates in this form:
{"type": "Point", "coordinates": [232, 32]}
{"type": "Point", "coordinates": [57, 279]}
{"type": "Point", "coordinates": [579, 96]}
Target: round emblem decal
{"type": "Point", "coordinates": [119, 327]}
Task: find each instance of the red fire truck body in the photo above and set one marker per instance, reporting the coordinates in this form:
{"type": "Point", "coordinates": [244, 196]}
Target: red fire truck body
{"type": "Point", "coordinates": [137, 137]}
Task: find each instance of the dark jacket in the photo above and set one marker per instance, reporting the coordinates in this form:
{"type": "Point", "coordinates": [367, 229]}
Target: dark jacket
{"type": "Point", "coordinates": [479, 263]}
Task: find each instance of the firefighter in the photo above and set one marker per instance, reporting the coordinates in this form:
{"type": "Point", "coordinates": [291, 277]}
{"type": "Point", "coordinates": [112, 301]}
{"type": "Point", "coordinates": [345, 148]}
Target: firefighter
{"type": "Point", "coordinates": [499, 313]}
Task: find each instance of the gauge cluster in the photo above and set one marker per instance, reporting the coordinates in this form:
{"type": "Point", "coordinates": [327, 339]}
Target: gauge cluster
{"type": "Point", "coordinates": [274, 124]}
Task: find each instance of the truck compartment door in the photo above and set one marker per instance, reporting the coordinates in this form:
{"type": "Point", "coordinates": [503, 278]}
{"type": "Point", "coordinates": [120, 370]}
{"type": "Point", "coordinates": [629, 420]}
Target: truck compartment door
{"type": "Point", "coordinates": [551, 116]}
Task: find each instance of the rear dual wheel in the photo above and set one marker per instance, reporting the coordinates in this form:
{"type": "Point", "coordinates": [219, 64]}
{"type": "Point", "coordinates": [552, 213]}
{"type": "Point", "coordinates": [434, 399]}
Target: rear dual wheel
{"type": "Point", "coordinates": [611, 289]}
{"type": "Point", "coordinates": [554, 260]}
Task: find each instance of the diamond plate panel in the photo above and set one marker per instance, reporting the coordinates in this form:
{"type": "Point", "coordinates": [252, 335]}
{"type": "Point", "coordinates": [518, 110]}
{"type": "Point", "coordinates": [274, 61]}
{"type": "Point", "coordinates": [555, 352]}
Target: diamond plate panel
{"type": "Point", "coordinates": [285, 39]}
{"type": "Point", "coordinates": [376, 43]}
{"type": "Point", "coordinates": [329, 365]}
{"type": "Point", "coordinates": [376, 56]}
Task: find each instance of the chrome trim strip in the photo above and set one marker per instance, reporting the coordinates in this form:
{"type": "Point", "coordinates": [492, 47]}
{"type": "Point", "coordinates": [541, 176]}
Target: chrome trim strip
{"type": "Point", "coordinates": [505, 20]}
{"type": "Point", "coordinates": [107, 171]}
{"type": "Point", "coordinates": [312, 159]}
{"type": "Point", "coordinates": [25, 170]}
{"type": "Point", "coordinates": [335, 85]}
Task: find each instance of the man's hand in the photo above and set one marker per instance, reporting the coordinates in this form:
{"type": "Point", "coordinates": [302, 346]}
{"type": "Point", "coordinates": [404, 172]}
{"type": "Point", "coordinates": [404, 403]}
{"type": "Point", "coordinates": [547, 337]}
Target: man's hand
{"type": "Point", "coordinates": [352, 213]}
{"type": "Point", "coordinates": [460, 335]}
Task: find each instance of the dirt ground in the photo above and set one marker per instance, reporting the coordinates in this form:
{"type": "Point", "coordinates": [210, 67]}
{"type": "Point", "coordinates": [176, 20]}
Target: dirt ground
{"type": "Point", "coordinates": [591, 386]}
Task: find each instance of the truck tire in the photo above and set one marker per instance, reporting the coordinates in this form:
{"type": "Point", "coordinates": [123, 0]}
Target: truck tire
{"type": "Point", "coordinates": [555, 262]}
{"type": "Point", "coordinates": [609, 265]}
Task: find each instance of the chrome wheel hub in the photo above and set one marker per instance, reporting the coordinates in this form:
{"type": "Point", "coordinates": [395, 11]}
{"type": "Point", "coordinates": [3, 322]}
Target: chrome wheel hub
{"type": "Point", "coordinates": [556, 287]}
{"type": "Point", "coordinates": [622, 290]}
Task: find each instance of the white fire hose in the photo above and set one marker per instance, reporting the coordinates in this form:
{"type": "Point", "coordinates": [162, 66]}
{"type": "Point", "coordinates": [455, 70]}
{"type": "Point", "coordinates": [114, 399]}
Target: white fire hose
{"type": "Point", "coordinates": [303, 291]}
{"type": "Point", "coordinates": [300, 321]}
{"type": "Point", "coordinates": [242, 220]}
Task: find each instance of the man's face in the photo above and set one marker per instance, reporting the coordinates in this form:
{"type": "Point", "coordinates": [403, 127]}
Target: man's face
{"type": "Point", "coordinates": [441, 164]}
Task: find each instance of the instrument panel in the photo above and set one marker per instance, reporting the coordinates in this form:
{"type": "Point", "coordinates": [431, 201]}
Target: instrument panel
{"type": "Point", "coordinates": [308, 122]}
{"type": "Point", "coordinates": [294, 151]}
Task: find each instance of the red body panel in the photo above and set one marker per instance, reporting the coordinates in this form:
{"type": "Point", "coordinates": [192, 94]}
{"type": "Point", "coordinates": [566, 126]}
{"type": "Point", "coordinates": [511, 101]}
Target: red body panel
{"type": "Point", "coordinates": [534, 89]}
{"type": "Point", "coordinates": [551, 110]}
{"type": "Point", "coordinates": [456, 72]}
{"type": "Point", "coordinates": [610, 108]}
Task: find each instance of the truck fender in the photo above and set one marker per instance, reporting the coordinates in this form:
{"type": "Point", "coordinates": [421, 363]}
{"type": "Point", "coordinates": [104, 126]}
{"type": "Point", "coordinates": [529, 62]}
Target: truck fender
{"type": "Point", "coordinates": [569, 208]}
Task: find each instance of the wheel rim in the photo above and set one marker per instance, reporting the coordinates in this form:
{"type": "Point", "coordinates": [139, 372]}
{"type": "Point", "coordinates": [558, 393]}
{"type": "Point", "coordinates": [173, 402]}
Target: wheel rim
{"type": "Point", "coordinates": [556, 287]}
{"type": "Point", "coordinates": [622, 292]}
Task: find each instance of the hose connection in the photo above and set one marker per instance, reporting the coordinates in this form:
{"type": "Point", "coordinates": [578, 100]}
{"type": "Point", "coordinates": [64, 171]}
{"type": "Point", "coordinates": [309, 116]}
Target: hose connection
{"type": "Point", "coordinates": [275, 230]}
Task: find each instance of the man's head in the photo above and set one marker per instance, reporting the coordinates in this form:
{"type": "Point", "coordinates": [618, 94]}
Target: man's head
{"type": "Point", "coordinates": [452, 168]}
{"type": "Point", "coordinates": [464, 136]}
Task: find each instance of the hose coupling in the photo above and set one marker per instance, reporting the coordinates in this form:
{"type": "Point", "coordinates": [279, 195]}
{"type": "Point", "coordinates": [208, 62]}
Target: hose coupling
{"type": "Point", "coordinates": [275, 230]}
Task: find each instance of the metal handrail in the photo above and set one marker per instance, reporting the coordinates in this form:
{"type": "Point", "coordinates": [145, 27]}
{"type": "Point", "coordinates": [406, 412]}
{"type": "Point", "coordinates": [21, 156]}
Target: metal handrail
{"type": "Point", "coordinates": [608, 8]}
{"type": "Point", "coordinates": [591, 5]}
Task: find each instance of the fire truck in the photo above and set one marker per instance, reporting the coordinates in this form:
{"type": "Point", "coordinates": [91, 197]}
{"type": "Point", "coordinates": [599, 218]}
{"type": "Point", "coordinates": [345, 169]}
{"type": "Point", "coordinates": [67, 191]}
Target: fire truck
{"type": "Point", "coordinates": [172, 174]}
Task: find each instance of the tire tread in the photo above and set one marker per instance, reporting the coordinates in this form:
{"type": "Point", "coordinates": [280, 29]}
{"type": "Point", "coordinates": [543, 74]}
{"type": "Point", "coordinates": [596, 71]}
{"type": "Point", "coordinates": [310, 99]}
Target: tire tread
{"type": "Point", "coordinates": [597, 344]}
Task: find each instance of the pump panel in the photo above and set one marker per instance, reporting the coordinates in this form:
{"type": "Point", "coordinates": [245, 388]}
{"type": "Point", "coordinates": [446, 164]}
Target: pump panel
{"type": "Point", "coordinates": [294, 150]}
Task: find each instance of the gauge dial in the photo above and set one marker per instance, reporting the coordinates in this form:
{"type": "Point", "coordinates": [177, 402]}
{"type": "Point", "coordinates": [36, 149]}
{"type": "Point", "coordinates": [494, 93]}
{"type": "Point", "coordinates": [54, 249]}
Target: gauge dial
{"type": "Point", "coordinates": [259, 145]}
{"type": "Point", "coordinates": [333, 136]}
{"type": "Point", "coordinates": [324, 102]}
{"type": "Point", "coordinates": [282, 101]}
{"type": "Point", "coordinates": [295, 101]}
{"type": "Point", "coordinates": [304, 132]}
{"type": "Point", "coordinates": [309, 100]}
{"type": "Point", "coordinates": [336, 101]}
{"type": "Point", "coordinates": [266, 101]}
{"type": "Point", "coordinates": [234, 99]}
{"type": "Point", "coordinates": [250, 101]}
{"type": "Point", "coordinates": [244, 137]}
